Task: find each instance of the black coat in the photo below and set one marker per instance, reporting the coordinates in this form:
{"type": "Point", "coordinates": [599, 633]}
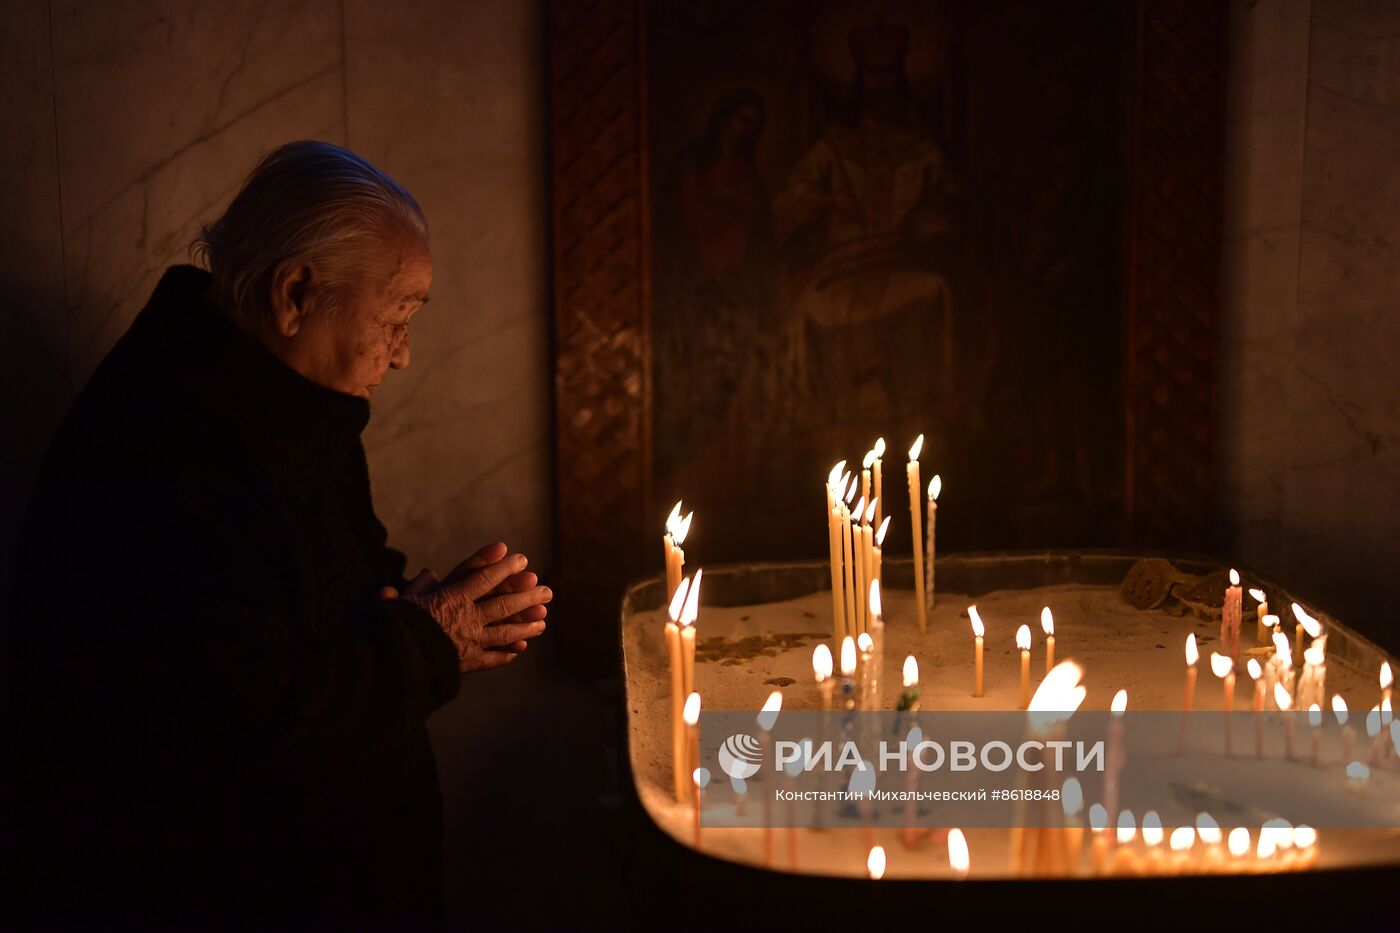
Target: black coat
{"type": "Point", "coordinates": [216, 719]}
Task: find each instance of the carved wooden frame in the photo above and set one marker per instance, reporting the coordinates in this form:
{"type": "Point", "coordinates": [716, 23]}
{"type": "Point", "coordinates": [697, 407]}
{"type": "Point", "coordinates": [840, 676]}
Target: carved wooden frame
{"type": "Point", "coordinates": [602, 282]}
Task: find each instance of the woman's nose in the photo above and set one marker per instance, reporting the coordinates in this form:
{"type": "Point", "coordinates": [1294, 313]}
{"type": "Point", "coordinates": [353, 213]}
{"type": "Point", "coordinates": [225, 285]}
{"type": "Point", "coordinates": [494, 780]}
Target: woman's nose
{"type": "Point", "coordinates": [399, 358]}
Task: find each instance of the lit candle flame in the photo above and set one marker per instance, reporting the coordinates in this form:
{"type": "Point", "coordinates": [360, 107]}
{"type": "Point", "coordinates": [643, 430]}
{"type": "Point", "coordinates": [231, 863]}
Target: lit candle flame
{"type": "Point", "coordinates": [1259, 597]}
{"type": "Point", "coordinates": [978, 628]}
{"type": "Point", "coordinates": [1358, 771]}
{"type": "Point", "coordinates": [1220, 664]}
{"type": "Point", "coordinates": [1207, 829]}
{"type": "Point", "coordinates": [859, 510]}
{"type": "Point", "coordinates": [879, 447]}
{"type": "Point", "coordinates": [1098, 818]}
{"type": "Point", "coordinates": [1387, 678]}
{"type": "Point", "coordinates": [821, 662]}
{"type": "Point", "coordinates": [1047, 621]}
{"type": "Point", "coordinates": [1339, 708]}
{"type": "Point", "coordinates": [958, 858]}
{"type": "Point", "coordinates": [870, 511]}
{"type": "Point", "coordinates": [840, 494]}
{"type": "Point", "coordinates": [880, 535]}
{"type": "Point", "coordinates": [875, 599]}
{"type": "Point", "coordinates": [850, 490]}
{"type": "Point", "coordinates": [677, 607]}
{"type": "Point", "coordinates": [1255, 670]}
{"type": "Point", "coordinates": [682, 529]}
{"type": "Point", "coordinates": [1072, 797]}
{"type": "Point", "coordinates": [1270, 620]}
{"type": "Point", "coordinates": [935, 486]}
{"type": "Point", "coordinates": [1310, 625]}
{"type": "Point", "coordinates": [1234, 577]}
{"type": "Point", "coordinates": [869, 459]}
{"type": "Point", "coordinates": [674, 519]}
{"type": "Point", "coordinates": [1182, 838]}
{"type": "Point", "coordinates": [848, 656]}
{"type": "Point", "coordinates": [1266, 846]}
{"type": "Point", "coordinates": [916, 448]}
{"type": "Point", "coordinates": [1058, 695]}
{"type": "Point", "coordinates": [1281, 649]}
{"type": "Point", "coordinates": [769, 714]}
{"type": "Point", "coordinates": [875, 863]}
{"type": "Point", "coordinates": [1314, 655]}
{"type": "Point", "coordinates": [1127, 830]}
{"type": "Point", "coordinates": [691, 713]}
{"type": "Point", "coordinates": [834, 477]}
{"type": "Point", "coordinates": [1239, 842]}
{"type": "Point", "coordinates": [1192, 655]}
{"type": "Point", "coordinates": [1023, 638]}
{"type": "Point", "coordinates": [692, 600]}
{"type": "Point", "coordinates": [1304, 837]}
{"type": "Point", "coordinates": [701, 777]}
{"type": "Point", "coordinates": [865, 643]}
{"type": "Point", "coordinates": [911, 672]}
{"type": "Point", "coordinates": [1120, 703]}
{"type": "Point", "coordinates": [1281, 697]}
{"type": "Point", "coordinates": [1314, 715]}
{"type": "Point", "coordinates": [1373, 722]}
{"type": "Point", "coordinates": [1152, 833]}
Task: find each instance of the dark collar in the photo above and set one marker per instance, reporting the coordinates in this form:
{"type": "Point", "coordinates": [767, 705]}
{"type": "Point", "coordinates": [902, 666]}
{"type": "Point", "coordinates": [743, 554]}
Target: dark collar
{"type": "Point", "coordinates": [245, 400]}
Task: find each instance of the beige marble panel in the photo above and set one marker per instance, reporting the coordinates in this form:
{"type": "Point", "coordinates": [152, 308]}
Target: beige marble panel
{"type": "Point", "coordinates": [162, 109]}
{"type": "Point", "coordinates": [448, 98]}
{"type": "Point", "coordinates": [1265, 119]}
{"type": "Point", "coordinates": [1343, 485]}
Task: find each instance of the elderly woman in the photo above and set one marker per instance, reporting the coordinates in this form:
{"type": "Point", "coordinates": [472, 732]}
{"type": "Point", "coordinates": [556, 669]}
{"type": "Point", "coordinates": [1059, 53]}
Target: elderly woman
{"type": "Point", "coordinates": [223, 676]}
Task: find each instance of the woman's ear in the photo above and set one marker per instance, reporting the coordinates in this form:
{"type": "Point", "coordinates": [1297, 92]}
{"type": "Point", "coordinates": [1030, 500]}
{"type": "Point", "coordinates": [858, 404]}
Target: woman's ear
{"type": "Point", "coordinates": [293, 288]}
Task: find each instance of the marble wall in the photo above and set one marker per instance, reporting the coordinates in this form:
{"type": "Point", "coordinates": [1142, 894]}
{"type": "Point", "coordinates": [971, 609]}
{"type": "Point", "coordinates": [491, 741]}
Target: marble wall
{"type": "Point", "coordinates": [1310, 394]}
{"type": "Point", "coordinates": [131, 123]}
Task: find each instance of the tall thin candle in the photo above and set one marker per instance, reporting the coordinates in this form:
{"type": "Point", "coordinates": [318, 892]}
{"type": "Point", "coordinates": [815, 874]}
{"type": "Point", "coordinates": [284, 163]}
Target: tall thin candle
{"type": "Point", "coordinates": [915, 522]}
{"type": "Point", "coordinates": [1047, 625]}
{"type": "Point", "coordinates": [1257, 673]}
{"type": "Point", "coordinates": [1023, 642]}
{"type": "Point", "coordinates": [935, 486]}
{"type": "Point", "coordinates": [978, 631]}
{"type": "Point", "coordinates": [858, 563]}
{"type": "Point", "coordinates": [876, 470]}
{"type": "Point", "coordinates": [1221, 666]}
{"type": "Point", "coordinates": [678, 692]}
{"type": "Point", "coordinates": [1230, 619]}
{"type": "Point", "coordinates": [1261, 632]}
{"type": "Point", "coordinates": [1192, 656]}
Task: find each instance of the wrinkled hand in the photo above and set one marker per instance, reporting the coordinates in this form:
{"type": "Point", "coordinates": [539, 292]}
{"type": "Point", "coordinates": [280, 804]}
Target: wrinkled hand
{"type": "Point", "coordinates": [488, 605]}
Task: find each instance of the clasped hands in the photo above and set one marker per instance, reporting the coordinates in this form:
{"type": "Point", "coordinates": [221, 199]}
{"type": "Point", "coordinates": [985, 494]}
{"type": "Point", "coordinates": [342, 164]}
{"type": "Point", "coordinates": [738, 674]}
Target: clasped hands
{"type": "Point", "coordinates": [489, 605]}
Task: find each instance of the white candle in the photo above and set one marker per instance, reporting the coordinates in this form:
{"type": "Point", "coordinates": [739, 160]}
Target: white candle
{"type": "Point", "coordinates": [915, 520]}
{"type": "Point", "coordinates": [1256, 672]}
{"type": "Point", "coordinates": [766, 719]}
{"type": "Point", "coordinates": [858, 564]}
{"type": "Point", "coordinates": [878, 551]}
{"type": "Point", "coordinates": [978, 631]}
{"type": "Point", "coordinates": [1116, 754]}
{"type": "Point", "coordinates": [959, 859]}
{"type": "Point", "coordinates": [1192, 655]}
{"type": "Point", "coordinates": [875, 863]}
{"type": "Point", "coordinates": [1023, 642]}
{"type": "Point", "coordinates": [1339, 709]}
{"type": "Point", "coordinates": [1261, 632]}
{"type": "Point", "coordinates": [876, 469]}
{"type": "Point", "coordinates": [1047, 625]}
{"type": "Point", "coordinates": [691, 717]}
{"type": "Point", "coordinates": [678, 692]}
{"type": "Point", "coordinates": [1230, 618]}
{"type": "Point", "coordinates": [1284, 701]}
{"type": "Point", "coordinates": [1223, 666]}
{"type": "Point", "coordinates": [935, 486]}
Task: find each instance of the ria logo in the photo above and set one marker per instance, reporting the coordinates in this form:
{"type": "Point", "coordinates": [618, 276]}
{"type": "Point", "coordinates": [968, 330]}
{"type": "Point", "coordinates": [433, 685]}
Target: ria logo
{"type": "Point", "coordinates": [740, 756]}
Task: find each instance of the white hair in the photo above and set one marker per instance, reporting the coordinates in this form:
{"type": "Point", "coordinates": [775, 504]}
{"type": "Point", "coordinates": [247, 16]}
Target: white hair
{"type": "Point", "coordinates": [310, 202]}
